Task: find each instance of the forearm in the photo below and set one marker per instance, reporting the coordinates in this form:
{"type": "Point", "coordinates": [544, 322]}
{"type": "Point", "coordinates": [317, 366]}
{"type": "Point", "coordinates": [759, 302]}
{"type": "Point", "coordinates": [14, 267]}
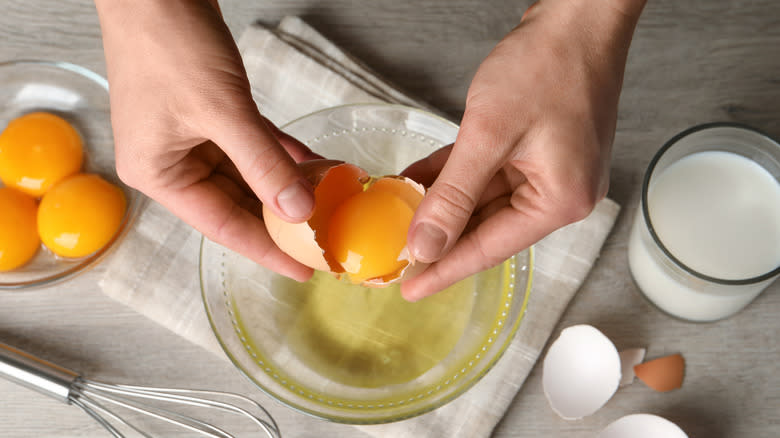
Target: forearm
{"type": "Point", "coordinates": [632, 9]}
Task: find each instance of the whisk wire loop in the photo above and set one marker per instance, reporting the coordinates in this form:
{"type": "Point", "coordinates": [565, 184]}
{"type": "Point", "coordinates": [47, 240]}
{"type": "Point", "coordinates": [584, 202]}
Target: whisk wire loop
{"type": "Point", "coordinates": [162, 414]}
{"type": "Point", "coordinates": [190, 397]}
{"type": "Point", "coordinates": [100, 412]}
{"type": "Point", "coordinates": [92, 412]}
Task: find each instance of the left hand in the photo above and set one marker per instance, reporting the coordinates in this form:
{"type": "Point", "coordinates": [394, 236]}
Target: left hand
{"type": "Point", "coordinates": [533, 150]}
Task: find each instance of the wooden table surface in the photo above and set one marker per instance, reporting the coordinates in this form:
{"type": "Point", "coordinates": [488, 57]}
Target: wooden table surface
{"type": "Point", "coordinates": [691, 62]}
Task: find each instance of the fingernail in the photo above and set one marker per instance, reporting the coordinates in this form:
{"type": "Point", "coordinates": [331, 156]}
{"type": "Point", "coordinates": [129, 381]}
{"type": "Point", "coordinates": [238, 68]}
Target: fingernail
{"type": "Point", "coordinates": [296, 201]}
{"type": "Point", "coordinates": [428, 242]}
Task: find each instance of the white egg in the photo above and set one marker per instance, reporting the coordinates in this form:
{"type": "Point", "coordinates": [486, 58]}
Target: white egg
{"type": "Point", "coordinates": [581, 372]}
{"type": "Point", "coordinates": [642, 426]}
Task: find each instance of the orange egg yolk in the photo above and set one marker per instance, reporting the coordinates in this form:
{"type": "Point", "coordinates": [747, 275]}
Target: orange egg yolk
{"type": "Point", "coordinates": [80, 215]}
{"type": "Point", "coordinates": [367, 234]}
{"type": "Point", "coordinates": [18, 236]}
{"type": "Point", "coordinates": [37, 150]}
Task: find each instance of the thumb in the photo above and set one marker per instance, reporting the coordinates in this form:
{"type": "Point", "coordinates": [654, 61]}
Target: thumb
{"type": "Point", "coordinates": [451, 200]}
{"type": "Point", "coordinates": [249, 141]}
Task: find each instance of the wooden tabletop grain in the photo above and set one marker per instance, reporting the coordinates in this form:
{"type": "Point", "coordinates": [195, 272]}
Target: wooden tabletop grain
{"type": "Point", "coordinates": [691, 61]}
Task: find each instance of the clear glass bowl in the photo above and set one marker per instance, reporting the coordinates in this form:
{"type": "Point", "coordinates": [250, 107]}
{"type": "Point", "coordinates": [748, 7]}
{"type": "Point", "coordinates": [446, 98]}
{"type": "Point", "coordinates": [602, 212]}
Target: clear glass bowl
{"type": "Point", "coordinates": [81, 97]}
{"type": "Point", "coordinates": [350, 354]}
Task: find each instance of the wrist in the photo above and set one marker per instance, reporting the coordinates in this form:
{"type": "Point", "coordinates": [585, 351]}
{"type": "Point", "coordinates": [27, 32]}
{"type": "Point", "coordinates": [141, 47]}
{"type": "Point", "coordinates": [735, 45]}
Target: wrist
{"type": "Point", "coordinates": [604, 22]}
{"type": "Point", "coordinates": [632, 9]}
{"type": "Point", "coordinates": [624, 12]}
{"type": "Point", "coordinates": [110, 10]}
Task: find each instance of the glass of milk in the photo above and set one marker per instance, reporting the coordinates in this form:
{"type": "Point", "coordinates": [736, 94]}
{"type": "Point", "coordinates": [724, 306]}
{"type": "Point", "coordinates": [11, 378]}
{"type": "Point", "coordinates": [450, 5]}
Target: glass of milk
{"type": "Point", "coordinates": [706, 237]}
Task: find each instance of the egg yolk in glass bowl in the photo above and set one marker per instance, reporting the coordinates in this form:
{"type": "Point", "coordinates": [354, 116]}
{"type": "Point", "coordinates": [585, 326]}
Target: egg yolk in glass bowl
{"type": "Point", "coordinates": [80, 215]}
{"type": "Point", "coordinates": [18, 237]}
{"type": "Point", "coordinates": [37, 150]}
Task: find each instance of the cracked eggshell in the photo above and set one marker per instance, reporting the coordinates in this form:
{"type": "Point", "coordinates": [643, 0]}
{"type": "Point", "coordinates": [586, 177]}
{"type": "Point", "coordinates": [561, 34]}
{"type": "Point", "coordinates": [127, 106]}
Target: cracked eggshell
{"type": "Point", "coordinates": [334, 182]}
{"type": "Point", "coordinates": [642, 426]}
{"type": "Point", "coordinates": [581, 372]}
{"type": "Point", "coordinates": [295, 239]}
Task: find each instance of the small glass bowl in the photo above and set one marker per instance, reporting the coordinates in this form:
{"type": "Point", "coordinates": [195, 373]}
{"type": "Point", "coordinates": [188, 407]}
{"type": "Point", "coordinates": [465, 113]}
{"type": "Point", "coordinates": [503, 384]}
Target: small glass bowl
{"type": "Point", "coordinates": [80, 96]}
{"type": "Point", "coordinates": [350, 354]}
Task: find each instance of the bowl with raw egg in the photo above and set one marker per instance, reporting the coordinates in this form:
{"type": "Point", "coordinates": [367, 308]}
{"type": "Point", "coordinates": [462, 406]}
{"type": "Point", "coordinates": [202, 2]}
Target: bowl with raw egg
{"type": "Point", "coordinates": [345, 346]}
{"type": "Point", "coordinates": [63, 206]}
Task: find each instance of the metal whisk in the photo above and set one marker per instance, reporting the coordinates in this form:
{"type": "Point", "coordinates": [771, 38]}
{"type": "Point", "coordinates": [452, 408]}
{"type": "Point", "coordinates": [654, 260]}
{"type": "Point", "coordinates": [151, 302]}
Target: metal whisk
{"type": "Point", "coordinates": [95, 398]}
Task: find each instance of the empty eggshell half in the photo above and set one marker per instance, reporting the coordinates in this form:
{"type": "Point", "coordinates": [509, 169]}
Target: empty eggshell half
{"type": "Point", "coordinates": [334, 183]}
{"type": "Point", "coordinates": [581, 372]}
{"type": "Point", "coordinates": [642, 426]}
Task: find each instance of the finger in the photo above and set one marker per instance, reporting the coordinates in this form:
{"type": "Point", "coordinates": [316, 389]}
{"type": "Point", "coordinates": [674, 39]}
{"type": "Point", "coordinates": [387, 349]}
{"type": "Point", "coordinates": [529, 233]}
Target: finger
{"type": "Point", "coordinates": [426, 170]}
{"type": "Point", "coordinates": [449, 203]}
{"type": "Point", "coordinates": [211, 207]}
{"type": "Point", "coordinates": [505, 233]}
{"type": "Point", "coordinates": [500, 186]}
{"type": "Point", "coordinates": [264, 163]}
{"type": "Point", "coordinates": [486, 210]}
{"type": "Point", "coordinates": [297, 150]}
{"type": "Point", "coordinates": [238, 192]}
{"type": "Point", "coordinates": [227, 169]}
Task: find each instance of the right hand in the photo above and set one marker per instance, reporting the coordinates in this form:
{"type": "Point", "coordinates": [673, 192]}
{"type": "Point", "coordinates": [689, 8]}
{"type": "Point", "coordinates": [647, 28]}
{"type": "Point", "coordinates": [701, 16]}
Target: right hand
{"type": "Point", "coordinates": [188, 133]}
{"type": "Point", "coordinates": [533, 149]}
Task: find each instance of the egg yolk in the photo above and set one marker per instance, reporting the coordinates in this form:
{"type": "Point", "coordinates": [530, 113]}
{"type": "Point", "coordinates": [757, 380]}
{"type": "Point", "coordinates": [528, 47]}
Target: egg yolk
{"type": "Point", "coordinates": [80, 215]}
{"type": "Point", "coordinates": [37, 150]}
{"type": "Point", "coordinates": [367, 234]}
{"type": "Point", "coordinates": [18, 236]}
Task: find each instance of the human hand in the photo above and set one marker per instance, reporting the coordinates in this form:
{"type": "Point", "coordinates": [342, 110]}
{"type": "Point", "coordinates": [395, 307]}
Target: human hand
{"type": "Point", "coordinates": [533, 150]}
{"type": "Point", "coordinates": [186, 129]}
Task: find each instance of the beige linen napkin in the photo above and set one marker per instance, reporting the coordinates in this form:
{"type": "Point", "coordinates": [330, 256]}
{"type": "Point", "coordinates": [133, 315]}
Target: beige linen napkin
{"type": "Point", "coordinates": [294, 71]}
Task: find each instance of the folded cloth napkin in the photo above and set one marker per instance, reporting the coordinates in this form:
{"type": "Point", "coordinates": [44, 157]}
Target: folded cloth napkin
{"type": "Point", "coordinates": [294, 71]}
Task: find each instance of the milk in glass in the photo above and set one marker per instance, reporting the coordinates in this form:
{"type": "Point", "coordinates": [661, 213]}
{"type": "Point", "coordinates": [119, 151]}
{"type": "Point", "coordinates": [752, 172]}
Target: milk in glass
{"type": "Point", "coordinates": [718, 214]}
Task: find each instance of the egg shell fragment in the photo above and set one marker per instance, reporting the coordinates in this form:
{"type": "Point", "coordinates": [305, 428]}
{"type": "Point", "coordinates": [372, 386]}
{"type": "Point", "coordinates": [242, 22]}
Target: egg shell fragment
{"type": "Point", "coordinates": [297, 240]}
{"type": "Point", "coordinates": [629, 358]}
{"type": "Point", "coordinates": [642, 426]}
{"type": "Point", "coordinates": [334, 182]}
{"type": "Point", "coordinates": [662, 374]}
{"type": "Point", "coordinates": [581, 372]}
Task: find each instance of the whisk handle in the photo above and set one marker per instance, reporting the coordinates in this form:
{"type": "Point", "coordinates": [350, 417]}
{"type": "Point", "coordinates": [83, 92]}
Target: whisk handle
{"type": "Point", "coordinates": [36, 373]}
